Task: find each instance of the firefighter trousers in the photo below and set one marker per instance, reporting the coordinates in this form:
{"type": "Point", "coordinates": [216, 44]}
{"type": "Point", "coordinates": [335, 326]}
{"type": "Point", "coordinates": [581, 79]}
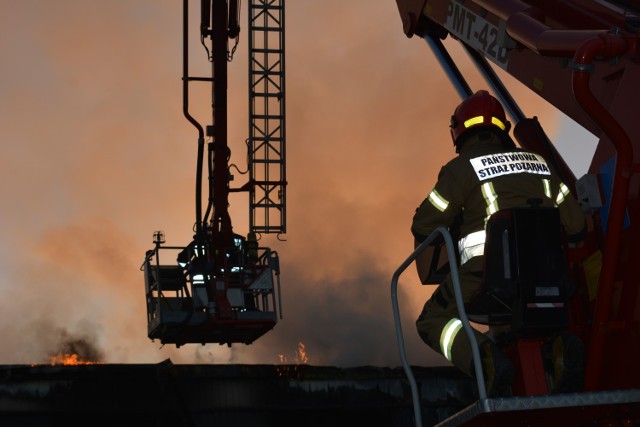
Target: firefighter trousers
{"type": "Point", "coordinates": [439, 325]}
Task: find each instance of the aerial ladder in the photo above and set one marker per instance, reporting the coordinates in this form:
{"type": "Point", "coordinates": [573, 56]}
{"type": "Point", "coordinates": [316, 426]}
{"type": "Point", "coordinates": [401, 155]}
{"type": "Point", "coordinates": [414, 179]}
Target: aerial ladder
{"type": "Point", "coordinates": [223, 287]}
{"type": "Point", "coordinates": [582, 57]}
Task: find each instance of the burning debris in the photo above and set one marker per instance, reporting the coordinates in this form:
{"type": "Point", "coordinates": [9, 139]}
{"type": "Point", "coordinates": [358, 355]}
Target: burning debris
{"type": "Point", "coordinates": [301, 355]}
{"type": "Point", "coordinates": [73, 349]}
{"type": "Point", "coordinates": [69, 359]}
{"type": "Point", "coordinates": [299, 358]}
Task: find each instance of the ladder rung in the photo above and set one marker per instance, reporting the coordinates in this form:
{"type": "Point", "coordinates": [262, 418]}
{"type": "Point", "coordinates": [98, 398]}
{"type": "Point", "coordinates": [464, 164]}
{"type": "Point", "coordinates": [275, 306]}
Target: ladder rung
{"type": "Point", "coordinates": [263, 28]}
{"type": "Point", "coordinates": [266, 161]}
{"type": "Point", "coordinates": [267, 138]}
{"type": "Point", "coordinates": [267, 94]}
{"type": "Point", "coordinates": [265, 6]}
{"type": "Point", "coordinates": [267, 116]}
{"type": "Point", "coordinates": [268, 206]}
{"type": "Point", "coordinates": [267, 50]}
{"type": "Point", "coordinates": [270, 182]}
{"type": "Point", "coordinates": [267, 72]}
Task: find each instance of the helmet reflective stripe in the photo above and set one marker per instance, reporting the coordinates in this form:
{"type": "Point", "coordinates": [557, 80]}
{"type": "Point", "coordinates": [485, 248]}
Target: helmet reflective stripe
{"type": "Point", "coordinates": [438, 201]}
{"type": "Point", "coordinates": [496, 121]}
{"type": "Point", "coordinates": [449, 333]}
{"type": "Point", "coordinates": [480, 119]}
{"type": "Point", "coordinates": [564, 192]}
{"type": "Point", "coordinates": [547, 188]}
{"type": "Point", "coordinates": [491, 198]}
{"type": "Point", "coordinates": [473, 121]}
{"type": "Point", "coordinates": [471, 245]}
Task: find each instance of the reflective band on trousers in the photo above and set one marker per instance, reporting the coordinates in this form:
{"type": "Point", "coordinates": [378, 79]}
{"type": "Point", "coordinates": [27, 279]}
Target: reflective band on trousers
{"type": "Point", "coordinates": [449, 333]}
{"type": "Point", "coordinates": [471, 245]}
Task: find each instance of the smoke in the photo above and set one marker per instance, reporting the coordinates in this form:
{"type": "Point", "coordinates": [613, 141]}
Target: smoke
{"type": "Point", "coordinates": [41, 339]}
{"type": "Point", "coordinates": [82, 343]}
{"type": "Point", "coordinates": [345, 321]}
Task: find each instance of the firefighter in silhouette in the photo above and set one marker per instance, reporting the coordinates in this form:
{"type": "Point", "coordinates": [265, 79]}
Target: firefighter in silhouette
{"type": "Point", "coordinates": [488, 174]}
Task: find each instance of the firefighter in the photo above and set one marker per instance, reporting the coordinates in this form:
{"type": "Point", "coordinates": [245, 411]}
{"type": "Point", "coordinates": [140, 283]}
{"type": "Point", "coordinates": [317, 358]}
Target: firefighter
{"type": "Point", "coordinates": [488, 174]}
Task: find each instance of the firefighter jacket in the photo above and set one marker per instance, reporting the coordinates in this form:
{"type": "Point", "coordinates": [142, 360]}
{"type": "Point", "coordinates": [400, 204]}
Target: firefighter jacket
{"type": "Point", "coordinates": [485, 178]}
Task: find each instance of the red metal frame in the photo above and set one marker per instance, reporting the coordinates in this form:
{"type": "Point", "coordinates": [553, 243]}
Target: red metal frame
{"type": "Point", "coordinates": [531, 379]}
{"type": "Point", "coordinates": [606, 47]}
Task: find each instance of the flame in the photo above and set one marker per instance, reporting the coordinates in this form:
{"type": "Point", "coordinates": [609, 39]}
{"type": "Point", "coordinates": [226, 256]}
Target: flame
{"type": "Point", "coordinates": [299, 358]}
{"type": "Point", "coordinates": [68, 359]}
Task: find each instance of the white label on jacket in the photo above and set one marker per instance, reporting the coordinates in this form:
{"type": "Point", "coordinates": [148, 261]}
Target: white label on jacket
{"type": "Point", "coordinates": [493, 165]}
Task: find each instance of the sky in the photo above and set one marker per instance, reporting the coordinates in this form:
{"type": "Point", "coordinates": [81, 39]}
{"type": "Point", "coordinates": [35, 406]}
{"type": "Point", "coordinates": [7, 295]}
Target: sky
{"type": "Point", "coordinates": [96, 156]}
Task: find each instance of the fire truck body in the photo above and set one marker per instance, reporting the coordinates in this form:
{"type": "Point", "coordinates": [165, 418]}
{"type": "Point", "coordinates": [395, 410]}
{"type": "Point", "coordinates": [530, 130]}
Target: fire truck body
{"type": "Point", "coordinates": [581, 56]}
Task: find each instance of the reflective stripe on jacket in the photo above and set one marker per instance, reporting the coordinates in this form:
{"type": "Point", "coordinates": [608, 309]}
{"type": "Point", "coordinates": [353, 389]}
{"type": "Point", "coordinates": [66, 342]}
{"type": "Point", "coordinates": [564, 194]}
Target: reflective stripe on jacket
{"type": "Point", "coordinates": [485, 178]}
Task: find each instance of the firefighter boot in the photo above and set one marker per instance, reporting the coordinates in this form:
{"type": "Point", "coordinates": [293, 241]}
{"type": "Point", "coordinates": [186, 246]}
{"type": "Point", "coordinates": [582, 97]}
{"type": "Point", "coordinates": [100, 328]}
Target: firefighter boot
{"type": "Point", "coordinates": [498, 370]}
{"type": "Point", "coordinates": [565, 355]}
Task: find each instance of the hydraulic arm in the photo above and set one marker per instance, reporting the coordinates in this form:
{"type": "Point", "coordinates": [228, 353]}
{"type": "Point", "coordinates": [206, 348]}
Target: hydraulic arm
{"type": "Point", "coordinates": [224, 288]}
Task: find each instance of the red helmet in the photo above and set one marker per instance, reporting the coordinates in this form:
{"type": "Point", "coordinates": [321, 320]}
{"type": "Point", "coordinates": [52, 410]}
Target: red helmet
{"type": "Point", "coordinates": [480, 109]}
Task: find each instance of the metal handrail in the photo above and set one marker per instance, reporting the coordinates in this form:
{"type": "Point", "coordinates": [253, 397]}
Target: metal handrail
{"type": "Point", "coordinates": [482, 391]}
